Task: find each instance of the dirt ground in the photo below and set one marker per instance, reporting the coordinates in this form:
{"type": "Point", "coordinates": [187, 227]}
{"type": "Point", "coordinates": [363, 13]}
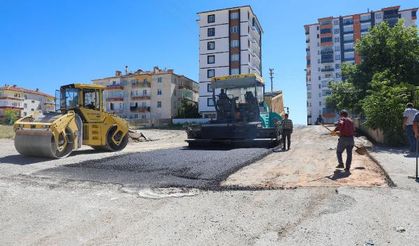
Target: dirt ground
{"type": "Point", "coordinates": [310, 162]}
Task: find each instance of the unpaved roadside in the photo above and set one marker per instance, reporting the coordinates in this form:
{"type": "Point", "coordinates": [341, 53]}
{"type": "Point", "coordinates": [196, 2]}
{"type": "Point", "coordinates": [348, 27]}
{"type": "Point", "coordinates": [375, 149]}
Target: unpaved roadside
{"type": "Point", "coordinates": [311, 161]}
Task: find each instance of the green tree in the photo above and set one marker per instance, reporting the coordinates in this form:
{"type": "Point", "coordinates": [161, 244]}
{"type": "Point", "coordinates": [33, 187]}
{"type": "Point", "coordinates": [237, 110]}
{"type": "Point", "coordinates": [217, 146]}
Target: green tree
{"type": "Point", "coordinates": [395, 49]}
{"type": "Point", "coordinates": [188, 110]}
{"type": "Point", "coordinates": [10, 116]}
{"type": "Point", "coordinates": [384, 106]}
{"type": "Point", "coordinates": [344, 96]}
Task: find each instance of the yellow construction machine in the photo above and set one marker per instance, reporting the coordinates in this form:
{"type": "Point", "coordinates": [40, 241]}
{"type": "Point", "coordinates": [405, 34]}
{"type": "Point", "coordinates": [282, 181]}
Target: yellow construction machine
{"type": "Point", "coordinates": [81, 120]}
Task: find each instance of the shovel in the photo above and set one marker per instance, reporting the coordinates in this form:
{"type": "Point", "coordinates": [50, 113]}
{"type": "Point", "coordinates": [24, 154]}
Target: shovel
{"type": "Point", "coordinates": [361, 150]}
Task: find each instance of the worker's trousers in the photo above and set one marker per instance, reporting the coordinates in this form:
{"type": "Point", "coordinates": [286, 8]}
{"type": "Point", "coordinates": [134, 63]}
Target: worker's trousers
{"type": "Point", "coordinates": [286, 139]}
{"type": "Point", "coordinates": [345, 143]}
{"type": "Point", "coordinates": [411, 138]}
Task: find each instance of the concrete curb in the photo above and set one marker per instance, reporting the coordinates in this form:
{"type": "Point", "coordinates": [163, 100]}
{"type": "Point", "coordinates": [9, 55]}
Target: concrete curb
{"type": "Point", "coordinates": [384, 172]}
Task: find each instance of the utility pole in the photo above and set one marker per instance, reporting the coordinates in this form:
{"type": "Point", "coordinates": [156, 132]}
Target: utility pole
{"type": "Point", "coordinates": [271, 75]}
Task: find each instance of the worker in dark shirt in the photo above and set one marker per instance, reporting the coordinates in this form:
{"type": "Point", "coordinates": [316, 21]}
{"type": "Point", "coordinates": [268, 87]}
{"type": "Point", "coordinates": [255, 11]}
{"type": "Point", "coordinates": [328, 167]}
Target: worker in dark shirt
{"type": "Point", "coordinates": [287, 128]}
{"type": "Point", "coordinates": [345, 129]}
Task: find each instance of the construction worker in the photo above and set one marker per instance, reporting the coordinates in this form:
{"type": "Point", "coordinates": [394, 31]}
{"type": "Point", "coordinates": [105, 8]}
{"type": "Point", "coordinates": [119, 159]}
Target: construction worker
{"type": "Point", "coordinates": [345, 129]}
{"type": "Point", "coordinates": [287, 127]}
{"type": "Point", "coordinates": [408, 116]}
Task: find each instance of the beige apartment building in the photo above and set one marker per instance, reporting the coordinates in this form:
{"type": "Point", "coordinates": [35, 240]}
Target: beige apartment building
{"type": "Point", "coordinates": [150, 97]}
{"type": "Point", "coordinates": [24, 101]}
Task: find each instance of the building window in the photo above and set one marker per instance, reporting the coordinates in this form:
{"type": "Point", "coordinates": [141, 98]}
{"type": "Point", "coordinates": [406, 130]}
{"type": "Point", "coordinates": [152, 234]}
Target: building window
{"type": "Point", "coordinates": [159, 79]}
{"type": "Point", "coordinates": [144, 92]}
{"type": "Point", "coordinates": [326, 30]}
{"type": "Point", "coordinates": [209, 88]}
{"type": "Point", "coordinates": [326, 39]}
{"type": "Point", "coordinates": [337, 57]}
{"type": "Point", "coordinates": [234, 43]}
{"type": "Point", "coordinates": [336, 22]}
{"type": "Point", "coordinates": [337, 39]}
{"type": "Point", "coordinates": [210, 102]}
{"type": "Point", "coordinates": [336, 31]}
{"type": "Point", "coordinates": [211, 59]}
{"type": "Point", "coordinates": [211, 32]}
{"type": "Point", "coordinates": [337, 66]}
{"type": "Point", "coordinates": [25, 105]}
{"type": "Point", "coordinates": [235, 57]}
{"type": "Point", "coordinates": [211, 18]}
{"type": "Point", "coordinates": [234, 29]}
{"type": "Point", "coordinates": [413, 14]}
{"type": "Point", "coordinates": [234, 15]}
{"type": "Point", "coordinates": [158, 91]}
{"type": "Point", "coordinates": [210, 73]}
{"type": "Point", "coordinates": [159, 104]}
{"type": "Point", "coordinates": [211, 45]}
{"type": "Point", "coordinates": [235, 71]}
{"type": "Point", "coordinates": [320, 103]}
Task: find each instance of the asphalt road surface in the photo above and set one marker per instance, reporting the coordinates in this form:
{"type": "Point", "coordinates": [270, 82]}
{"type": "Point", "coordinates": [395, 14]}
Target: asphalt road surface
{"type": "Point", "coordinates": [176, 167]}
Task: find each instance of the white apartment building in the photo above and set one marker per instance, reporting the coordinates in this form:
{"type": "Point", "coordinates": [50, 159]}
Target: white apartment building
{"type": "Point", "coordinates": [24, 101]}
{"type": "Point", "coordinates": [229, 43]}
{"type": "Point", "coordinates": [330, 42]}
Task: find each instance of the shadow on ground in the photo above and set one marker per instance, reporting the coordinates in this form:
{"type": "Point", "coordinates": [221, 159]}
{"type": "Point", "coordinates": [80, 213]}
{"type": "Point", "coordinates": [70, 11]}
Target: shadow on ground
{"type": "Point", "coordinates": [22, 160]}
{"type": "Point", "coordinates": [339, 174]}
{"type": "Point", "coordinates": [19, 159]}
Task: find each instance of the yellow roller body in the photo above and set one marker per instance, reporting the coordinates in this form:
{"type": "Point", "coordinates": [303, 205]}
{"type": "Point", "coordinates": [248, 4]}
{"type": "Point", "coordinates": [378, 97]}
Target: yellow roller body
{"type": "Point", "coordinates": [55, 135]}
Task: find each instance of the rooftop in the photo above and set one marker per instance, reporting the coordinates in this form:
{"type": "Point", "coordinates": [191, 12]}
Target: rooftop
{"type": "Point", "coordinates": [369, 11]}
{"type": "Point", "coordinates": [24, 90]}
{"type": "Point", "coordinates": [156, 70]}
{"type": "Point", "coordinates": [237, 7]}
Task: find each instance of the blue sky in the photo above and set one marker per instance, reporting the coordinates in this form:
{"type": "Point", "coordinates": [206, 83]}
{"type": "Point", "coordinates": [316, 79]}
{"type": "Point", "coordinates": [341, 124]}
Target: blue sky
{"type": "Point", "coordinates": [47, 43]}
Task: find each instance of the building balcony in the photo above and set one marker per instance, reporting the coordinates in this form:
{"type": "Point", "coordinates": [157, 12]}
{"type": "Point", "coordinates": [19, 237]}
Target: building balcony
{"type": "Point", "coordinates": [139, 109]}
{"type": "Point", "coordinates": [141, 85]}
{"type": "Point", "coordinates": [114, 87]}
{"type": "Point", "coordinates": [365, 20]}
{"type": "Point", "coordinates": [348, 22]}
{"type": "Point", "coordinates": [348, 31]}
{"type": "Point", "coordinates": [115, 99]}
{"type": "Point", "coordinates": [349, 50]}
{"type": "Point", "coordinates": [327, 69]}
{"type": "Point", "coordinates": [140, 97]}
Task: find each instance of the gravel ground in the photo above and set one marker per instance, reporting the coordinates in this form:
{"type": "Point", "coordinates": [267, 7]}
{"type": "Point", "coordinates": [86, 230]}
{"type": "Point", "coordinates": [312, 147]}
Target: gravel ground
{"type": "Point", "coordinates": [311, 161]}
{"type": "Point", "coordinates": [96, 198]}
{"type": "Point", "coordinates": [74, 213]}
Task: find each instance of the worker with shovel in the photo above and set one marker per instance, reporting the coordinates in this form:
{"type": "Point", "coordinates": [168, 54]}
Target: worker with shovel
{"type": "Point", "coordinates": [345, 129]}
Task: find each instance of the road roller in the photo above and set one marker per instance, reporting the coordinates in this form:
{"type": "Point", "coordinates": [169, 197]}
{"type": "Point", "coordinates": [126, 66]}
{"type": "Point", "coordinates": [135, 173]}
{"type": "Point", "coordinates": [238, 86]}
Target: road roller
{"type": "Point", "coordinates": [80, 120]}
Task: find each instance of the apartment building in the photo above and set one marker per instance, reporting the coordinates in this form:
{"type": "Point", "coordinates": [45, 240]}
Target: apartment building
{"type": "Point", "coordinates": [147, 96]}
{"type": "Point", "coordinates": [330, 42]}
{"type": "Point", "coordinates": [230, 42]}
{"type": "Point", "coordinates": [24, 101]}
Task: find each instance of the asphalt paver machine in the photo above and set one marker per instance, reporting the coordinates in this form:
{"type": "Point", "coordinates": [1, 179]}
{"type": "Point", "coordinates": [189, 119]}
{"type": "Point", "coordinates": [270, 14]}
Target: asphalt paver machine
{"type": "Point", "coordinates": [241, 115]}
